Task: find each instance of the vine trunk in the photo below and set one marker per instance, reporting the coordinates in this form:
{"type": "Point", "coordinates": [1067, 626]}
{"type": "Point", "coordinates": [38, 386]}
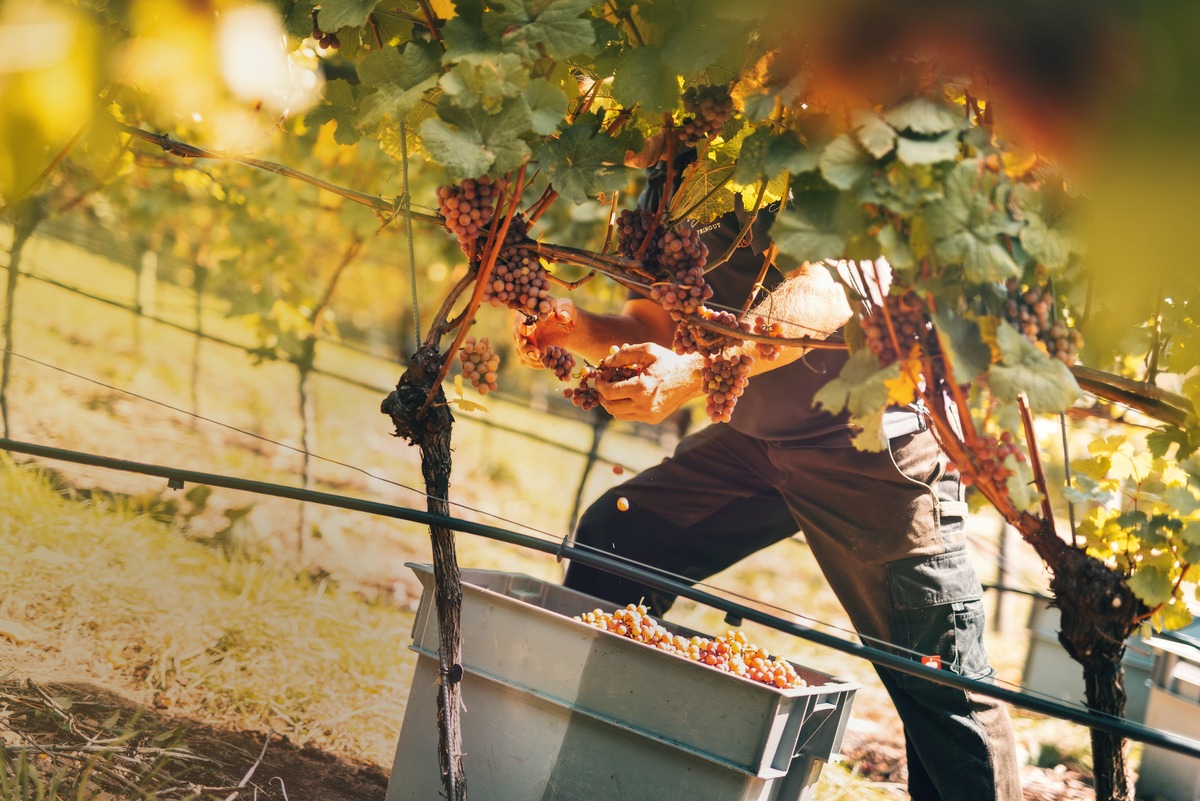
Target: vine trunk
{"type": "Point", "coordinates": [429, 426]}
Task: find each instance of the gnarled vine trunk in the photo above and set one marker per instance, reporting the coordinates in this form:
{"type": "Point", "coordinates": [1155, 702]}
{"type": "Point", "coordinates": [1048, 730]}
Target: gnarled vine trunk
{"type": "Point", "coordinates": [1099, 612]}
{"type": "Point", "coordinates": [428, 426]}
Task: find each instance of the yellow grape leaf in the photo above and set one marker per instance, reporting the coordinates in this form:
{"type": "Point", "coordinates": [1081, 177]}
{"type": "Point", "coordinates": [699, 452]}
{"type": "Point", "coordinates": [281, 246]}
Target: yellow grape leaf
{"type": "Point", "coordinates": [1095, 468]}
{"type": "Point", "coordinates": [468, 405]}
{"type": "Point", "coordinates": [1107, 446]}
{"type": "Point", "coordinates": [1173, 615]}
{"type": "Point", "coordinates": [987, 332]}
{"type": "Point", "coordinates": [919, 240]}
{"type": "Point", "coordinates": [902, 390]}
{"type": "Point", "coordinates": [444, 8]}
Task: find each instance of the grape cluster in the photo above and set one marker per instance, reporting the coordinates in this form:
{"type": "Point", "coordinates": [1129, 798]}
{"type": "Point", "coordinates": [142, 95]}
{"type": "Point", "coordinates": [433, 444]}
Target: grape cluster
{"type": "Point", "coordinates": [681, 258]}
{"type": "Point", "coordinates": [585, 396]}
{"type": "Point", "coordinates": [987, 455]}
{"type": "Point", "coordinates": [725, 378]}
{"type": "Point", "coordinates": [710, 107]}
{"type": "Point", "coordinates": [908, 321]}
{"type": "Point", "coordinates": [467, 209]}
{"type": "Point", "coordinates": [560, 361]}
{"type": "Point", "coordinates": [693, 338]}
{"type": "Point", "coordinates": [731, 652]}
{"type": "Point", "coordinates": [1031, 312]}
{"type": "Point", "coordinates": [518, 279]}
{"type": "Point", "coordinates": [633, 226]}
{"type": "Point", "coordinates": [765, 328]}
{"type": "Point", "coordinates": [479, 364]}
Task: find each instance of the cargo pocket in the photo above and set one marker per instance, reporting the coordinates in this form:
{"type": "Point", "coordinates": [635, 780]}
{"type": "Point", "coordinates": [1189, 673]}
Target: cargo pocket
{"type": "Point", "coordinates": [937, 610]}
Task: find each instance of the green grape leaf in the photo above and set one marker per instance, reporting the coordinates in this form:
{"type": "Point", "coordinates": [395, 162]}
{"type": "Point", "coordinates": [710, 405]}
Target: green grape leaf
{"type": "Point", "coordinates": [583, 161]}
{"type": "Point", "coordinates": [700, 41]}
{"type": "Point", "coordinates": [765, 154]}
{"type": "Point", "coordinates": [1152, 584]}
{"type": "Point", "coordinates": [1020, 484]}
{"type": "Point", "coordinates": [642, 78]}
{"type": "Point", "coordinates": [927, 151]}
{"type": "Point", "coordinates": [896, 250]}
{"type": "Point", "coordinates": [874, 134]}
{"type": "Point", "coordinates": [337, 14]}
{"type": "Point", "coordinates": [486, 80]}
{"type": "Point", "coordinates": [1052, 248]}
{"type": "Point", "coordinates": [758, 106]}
{"type": "Point", "coordinates": [548, 105]}
{"type": "Point", "coordinates": [340, 106]}
{"type": "Point", "coordinates": [461, 152]}
{"type": "Point", "coordinates": [297, 19]}
{"type": "Point", "coordinates": [870, 436]}
{"type": "Point", "coordinates": [860, 388]}
{"type": "Point", "coordinates": [400, 77]}
{"type": "Point", "coordinates": [1047, 382]}
{"type": "Point", "coordinates": [844, 163]}
{"type": "Point", "coordinates": [464, 34]}
{"type": "Point", "coordinates": [983, 261]}
{"type": "Point", "coordinates": [966, 224]}
{"type": "Point", "coordinates": [970, 356]}
{"type": "Point", "coordinates": [924, 116]}
{"type": "Point", "coordinates": [1085, 490]}
{"type": "Point", "coordinates": [558, 27]}
{"type": "Point", "coordinates": [469, 142]}
{"type": "Point", "coordinates": [393, 28]}
{"type": "Point", "coordinates": [800, 236]}
{"type": "Point", "coordinates": [1181, 499]}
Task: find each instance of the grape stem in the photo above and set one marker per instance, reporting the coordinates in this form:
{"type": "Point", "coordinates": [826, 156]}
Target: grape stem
{"type": "Point", "coordinates": [1035, 460]}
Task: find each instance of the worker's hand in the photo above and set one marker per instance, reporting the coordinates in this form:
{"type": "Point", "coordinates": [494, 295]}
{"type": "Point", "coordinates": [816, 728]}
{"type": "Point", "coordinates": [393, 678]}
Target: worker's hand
{"type": "Point", "coordinates": [666, 381]}
{"type": "Point", "coordinates": [532, 339]}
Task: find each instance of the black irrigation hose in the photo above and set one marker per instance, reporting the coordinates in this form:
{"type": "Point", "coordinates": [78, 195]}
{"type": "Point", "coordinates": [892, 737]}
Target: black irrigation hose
{"type": "Point", "coordinates": [177, 477]}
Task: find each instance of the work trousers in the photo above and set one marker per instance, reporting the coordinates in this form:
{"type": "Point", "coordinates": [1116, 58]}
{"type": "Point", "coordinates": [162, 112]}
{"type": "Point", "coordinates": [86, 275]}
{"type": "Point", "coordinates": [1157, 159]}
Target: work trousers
{"type": "Point", "coordinates": [874, 523]}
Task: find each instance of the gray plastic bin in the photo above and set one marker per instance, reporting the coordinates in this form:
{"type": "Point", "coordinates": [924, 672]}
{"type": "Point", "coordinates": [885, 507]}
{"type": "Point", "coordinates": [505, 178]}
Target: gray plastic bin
{"type": "Point", "coordinates": [558, 709]}
{"type": "Point", "coordinates": [1173, 706]}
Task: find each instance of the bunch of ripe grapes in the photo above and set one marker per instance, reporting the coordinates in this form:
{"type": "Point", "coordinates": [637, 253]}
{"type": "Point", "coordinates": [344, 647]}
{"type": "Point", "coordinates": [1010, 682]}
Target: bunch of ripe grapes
{"type": "Point", "coordinates": [907, 321]}
{"type": "Point", "coordinates": [988, 454]}
{"type": "Point", "coordinates": [633, 226]}
{"type": "Point", "coordinates": [725, 378]}
{"type": "Point", "coordinates": [479, 364]}
{"type": "Point", "coordinates": [585, 395]}
{"type": "Point", "coordinates": [1031, 311]}
{"type": "Point", "coordinates": [560, 361]}
{"type": "Point", "coordinates": [764, 327]}
{"type": "Point", "coordinates": [693, 338]}
{"type": "Point", "coordinates": [730, 652]}
{"type": "Point", "coordinates": [710, 108]}
{"type": "Point", "coordinates": [467, 209]}
{"type": "Point", "coordinates": [518, 278]}
{"type": "Point", "coordinates": [681, 261]}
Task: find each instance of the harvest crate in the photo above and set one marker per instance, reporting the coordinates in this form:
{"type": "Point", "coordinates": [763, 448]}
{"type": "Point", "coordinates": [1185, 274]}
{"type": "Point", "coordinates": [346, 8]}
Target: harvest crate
{"type": "Point", "coordinates": [558, 709]}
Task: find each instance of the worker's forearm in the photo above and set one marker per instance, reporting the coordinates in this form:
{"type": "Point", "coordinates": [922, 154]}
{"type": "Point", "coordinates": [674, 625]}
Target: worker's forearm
{"type": "Point", "coordinates": [810, 303]}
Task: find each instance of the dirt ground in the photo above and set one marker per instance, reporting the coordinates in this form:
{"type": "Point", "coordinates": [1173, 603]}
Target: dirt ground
{"type": "Point", "coordinates": [63, 725]}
